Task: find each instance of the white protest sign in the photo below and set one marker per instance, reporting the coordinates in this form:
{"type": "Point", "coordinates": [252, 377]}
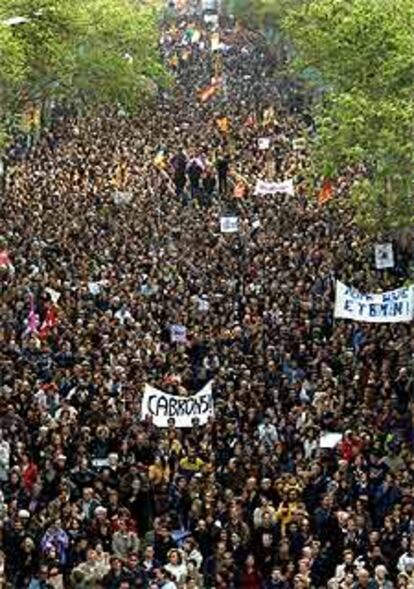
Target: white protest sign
{"type": "Point", "coordinates": [203, 304]}
{"type": "Point", "coordinates": [211, 19]}
{"type": "Point", "coordinates": [393, 306]}
{"type": "Point", "coordinates": [96, 287]}
{"type": "Point", "coordinates": [263, 187]}
{"type": "Point", "coordinates": [121, 198]}
{"type": "Point", "coordinates": [178, 334]}
{"type": "Point", "coordinates": [54, 295]}
{"type": "Point", "coordinates": [263, 143]}
{"type": "Point", "coordinates": [330, 440]}
{"type": "Point", "coordinates": [229, 224]}
{"type": "Point", "coordinates": [299, 143]}
{"type": "Point", "coordinates": [162, 407]}
{"type": "Point", "coordinates": [384, 256]}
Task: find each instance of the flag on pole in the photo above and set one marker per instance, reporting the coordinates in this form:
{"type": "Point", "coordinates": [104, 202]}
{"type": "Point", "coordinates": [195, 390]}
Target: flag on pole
{"type": "Point", "coordinates": [49, 322]}
{"type": "Point", "coordinates": [250, 121]}
{"type": "Point", "coordinates": [268, 116]}
{"type": "Point", "coordinates": [206, 93]}
{"type": "Point", "coordinates": [5, 261]}
{"type": "Point", "coordinates": [33, 318]}
{"type": "Point", "coordinates": [240, 190]}
{"type": "Point", "coordinates": [326, 192]}
{"type": "Point", "coordinates": [159, 160]}
{"type": "Point", "coordinates": [223, 124]}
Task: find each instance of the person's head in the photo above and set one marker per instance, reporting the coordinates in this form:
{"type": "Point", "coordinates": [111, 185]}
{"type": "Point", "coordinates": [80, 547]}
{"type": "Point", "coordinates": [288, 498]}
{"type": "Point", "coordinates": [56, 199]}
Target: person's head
{"type": "Point", "coordinates": [174, 557]}
{"type": "Point", "coordinates": [149, 553]}
{"type": "Point", "coordinates": [348, 557]}
{"type": "Point", "coordinates": [380, 572]}
{"type": "Point", "coordinates": [363, 577]}
{"type": "Point", "coordinates": [250, 560]}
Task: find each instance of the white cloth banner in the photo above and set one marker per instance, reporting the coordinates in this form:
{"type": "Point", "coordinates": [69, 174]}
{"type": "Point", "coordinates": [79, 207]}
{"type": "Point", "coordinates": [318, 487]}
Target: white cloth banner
{"type": "Point", "coordinates": [384, 256]}
{"type": "Point", "coordinates": [229, 224]}
{"type": "Point", "coordinates": [263, 187]}
{"type": "Point", "coordinates": [393, 306]}
{"type": "Point", "coordinates": [162, 407]}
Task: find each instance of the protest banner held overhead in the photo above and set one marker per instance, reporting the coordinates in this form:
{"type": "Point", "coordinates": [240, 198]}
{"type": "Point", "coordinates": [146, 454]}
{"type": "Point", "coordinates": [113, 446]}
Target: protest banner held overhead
{"type": "Point", "coordinates": [384, 256]}
{"type": "Point", "coordinates": [393, 306]}
{"type": "Point", "coordinates": [262, 188]}
{"type": "Point", "coordinates": [229, 224]}
{"type": "Point", "coordinates": [162, 407]}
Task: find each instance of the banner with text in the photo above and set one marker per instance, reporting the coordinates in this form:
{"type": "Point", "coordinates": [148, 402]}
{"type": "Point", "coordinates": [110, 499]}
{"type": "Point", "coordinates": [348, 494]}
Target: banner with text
{"type": "Point", "coordinates": [164, 408]}
{"type": "Point", "coordinates": [393, 306]}
{"type": "Point", "coordinates": [263, 187]}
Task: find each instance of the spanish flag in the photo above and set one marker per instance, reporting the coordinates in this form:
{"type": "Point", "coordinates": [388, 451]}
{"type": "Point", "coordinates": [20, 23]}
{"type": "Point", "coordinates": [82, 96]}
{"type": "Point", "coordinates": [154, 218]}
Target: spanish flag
{"type": "Point", "coordinates": [223, 124]}
{"type": "Point", "coordinates": [326, 192]}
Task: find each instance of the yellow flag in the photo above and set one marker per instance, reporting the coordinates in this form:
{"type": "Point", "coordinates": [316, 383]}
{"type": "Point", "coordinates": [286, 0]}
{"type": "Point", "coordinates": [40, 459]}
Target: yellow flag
{"type": "Point", "coordinates": [223, 124]}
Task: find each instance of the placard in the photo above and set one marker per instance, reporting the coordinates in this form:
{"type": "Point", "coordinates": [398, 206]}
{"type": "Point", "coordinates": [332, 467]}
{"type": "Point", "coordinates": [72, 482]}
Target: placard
{"type": "Point", "coordinates": [162, 407]}
{"type": "Point", "coordinates": [393, 306]}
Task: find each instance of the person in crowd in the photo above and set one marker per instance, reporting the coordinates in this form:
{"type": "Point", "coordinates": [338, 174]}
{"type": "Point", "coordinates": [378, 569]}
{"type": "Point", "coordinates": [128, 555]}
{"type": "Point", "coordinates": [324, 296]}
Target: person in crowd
{"type": "Point", "coordinates": [101, 252]}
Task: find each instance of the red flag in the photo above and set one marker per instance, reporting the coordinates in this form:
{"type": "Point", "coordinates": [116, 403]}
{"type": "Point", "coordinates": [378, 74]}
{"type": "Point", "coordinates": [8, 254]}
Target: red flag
{"type": "Point", "coordinates": [49, 322]}
{"type": "Point", "coordinates": [326, 192]}
{"type": "Point", "coordinates": [250, 121]}
{"type": "Point", "coordinates": [4, 259]}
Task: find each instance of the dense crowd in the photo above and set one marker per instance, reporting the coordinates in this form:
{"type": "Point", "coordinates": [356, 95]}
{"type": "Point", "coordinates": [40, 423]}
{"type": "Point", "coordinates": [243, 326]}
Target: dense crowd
{"type": "Point", "coordinates": [110, 234]}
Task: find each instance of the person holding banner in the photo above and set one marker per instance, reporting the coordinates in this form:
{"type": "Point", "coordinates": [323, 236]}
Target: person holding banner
{"type": "Point", "coordinates": [194, 386]}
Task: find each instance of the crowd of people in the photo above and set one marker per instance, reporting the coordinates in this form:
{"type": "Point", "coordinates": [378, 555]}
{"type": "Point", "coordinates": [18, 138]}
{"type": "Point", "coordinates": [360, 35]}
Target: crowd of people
{"type": "Point", "coordinates": [110, 234]}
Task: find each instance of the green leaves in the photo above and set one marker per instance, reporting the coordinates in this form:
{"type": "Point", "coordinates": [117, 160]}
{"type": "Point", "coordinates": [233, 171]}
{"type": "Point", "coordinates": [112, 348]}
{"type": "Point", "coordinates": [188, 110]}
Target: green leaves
{"type": "Point", "coordinates": [364, 52]}
{"type": "Point", "coordinates": [94, 52]}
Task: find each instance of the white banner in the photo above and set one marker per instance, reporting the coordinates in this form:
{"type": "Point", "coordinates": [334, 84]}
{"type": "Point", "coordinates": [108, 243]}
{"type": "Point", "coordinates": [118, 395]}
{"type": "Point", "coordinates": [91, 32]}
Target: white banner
{"type": "Point", "coordinates": [263, 187]}
{"type": "Point", "coordinates": [384, 256]}
{"type": "Point", "coordinates": [392, 306]}
{"type": "Point", "coordinates": [183, 411]}
{"type": "Point", "coordinates": [229, 224]}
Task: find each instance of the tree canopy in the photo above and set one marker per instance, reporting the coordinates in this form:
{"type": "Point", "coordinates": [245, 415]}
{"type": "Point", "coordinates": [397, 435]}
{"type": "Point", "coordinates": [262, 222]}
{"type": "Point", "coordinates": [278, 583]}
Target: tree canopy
{"type": "Point", "coordinates": [94, 52]}
{"type": "Point", "coordinates": [361, 54]}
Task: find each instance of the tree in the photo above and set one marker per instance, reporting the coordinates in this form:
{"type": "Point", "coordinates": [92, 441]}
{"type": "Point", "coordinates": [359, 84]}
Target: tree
{"type": "Point", "coordinates": [364, 52]}
{"type": "Point", "coordinates": [94, 52]}
{"type": "Point", "coordinates": [11, 73]}
{"type": "Point", "coordinates": [115, 57]}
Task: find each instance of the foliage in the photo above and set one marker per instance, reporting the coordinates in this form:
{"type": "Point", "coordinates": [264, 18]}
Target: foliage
{"type": "Point", "coordinates": [95, 52]}
{"type": "Point", "coordinates": [116, 54]}
{"type": "Point", "coordinates": [364, 51]}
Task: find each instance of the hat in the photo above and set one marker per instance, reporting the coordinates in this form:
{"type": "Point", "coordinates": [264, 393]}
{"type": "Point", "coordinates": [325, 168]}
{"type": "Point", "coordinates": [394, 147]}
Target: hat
{"type": "Point", "coordinates": [24, 514]}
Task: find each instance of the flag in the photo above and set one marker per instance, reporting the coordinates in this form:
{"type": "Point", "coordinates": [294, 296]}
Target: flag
{"type": "Point", "coordinates": [250, 121]}
{"type": "Point", "coordinates": [49, 322]}
{"type": "Point", "coordinates": [215, 42]}
{"type": "Point", "coordinates": [5, 261]}
{"type": "Point", "coordinates": [240, 190]}
{"type": "Point", "coordinates": [223, 124]}
{"type": "Point", "coordinates": [326, 192]}
{"type": "Point", "coordinates": [268, 116]}
{"type": "Point", "coordinates": [209, 91]}
{"type": "Point", "coordinates": [32, 318]}
{"type": "Point", "coordinates": [159, 160]}
{"type": "Point", "coordinates": [120, 177]}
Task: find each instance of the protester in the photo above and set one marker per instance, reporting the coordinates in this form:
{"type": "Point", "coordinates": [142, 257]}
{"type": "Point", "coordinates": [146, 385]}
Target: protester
{"type": "Point", "coordinates": [104, 250]}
